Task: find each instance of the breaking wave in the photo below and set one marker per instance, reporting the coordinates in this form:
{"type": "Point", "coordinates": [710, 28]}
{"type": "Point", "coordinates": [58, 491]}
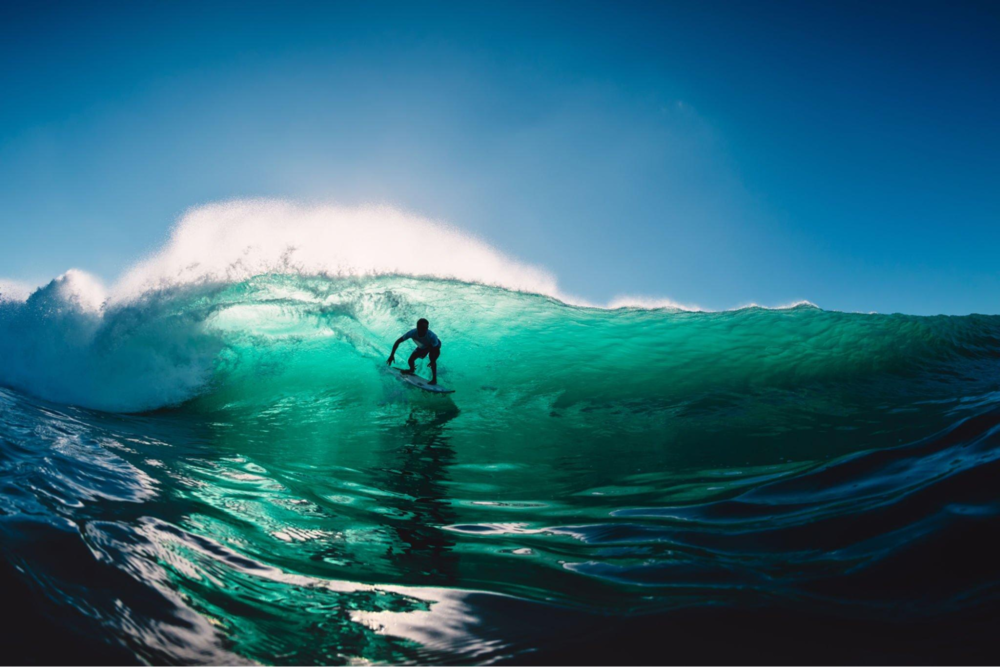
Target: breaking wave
{"type": "Point", "coordinates": [214, 450]}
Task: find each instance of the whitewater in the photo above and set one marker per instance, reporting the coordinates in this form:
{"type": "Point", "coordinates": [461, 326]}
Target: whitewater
{"type": "Point", "coordinates": [211, 447]}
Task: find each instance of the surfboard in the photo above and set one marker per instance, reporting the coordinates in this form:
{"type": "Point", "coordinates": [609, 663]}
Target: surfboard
{"type": "Point", "coordinates": [419, 382]}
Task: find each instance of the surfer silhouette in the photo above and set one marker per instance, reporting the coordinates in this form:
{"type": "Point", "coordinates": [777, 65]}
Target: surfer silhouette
{"type": "Point", "coordinates": [427, 344]}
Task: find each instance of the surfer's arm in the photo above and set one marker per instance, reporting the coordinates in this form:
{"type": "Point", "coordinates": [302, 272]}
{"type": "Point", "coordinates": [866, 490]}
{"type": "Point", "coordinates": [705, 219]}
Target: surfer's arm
{"type": "Point", "coordinates": [395, 346]}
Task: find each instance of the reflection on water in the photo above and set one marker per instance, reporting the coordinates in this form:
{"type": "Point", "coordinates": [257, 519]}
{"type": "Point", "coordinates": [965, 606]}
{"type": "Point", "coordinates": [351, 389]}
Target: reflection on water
{"type": "Point", "coordinates": [417, 475]}
{"type": "Point", "coordinates": [278, 535]}
{"type": "Point", "coordinates": [294, 536]}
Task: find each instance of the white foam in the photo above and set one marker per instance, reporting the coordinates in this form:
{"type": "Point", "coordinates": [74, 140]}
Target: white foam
{"type": "Point", "coordinates": [788, 306]}
{"type": "Point", "coordinates": [236, 240]}
{"type": "Point", "coordinates": [77, 288]}
{"type": "Point", "coordinates": [66, 344]}
{"type": "Point", "coordinates": [650, 303]}
{"type": "Point", "coordinates": [659, 303]}
{"type": "Point", "coordinates": [15, 290]}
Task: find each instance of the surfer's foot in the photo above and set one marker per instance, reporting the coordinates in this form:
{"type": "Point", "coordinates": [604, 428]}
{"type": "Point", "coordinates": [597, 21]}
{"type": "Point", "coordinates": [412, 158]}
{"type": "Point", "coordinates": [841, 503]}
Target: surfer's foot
{"type": "Point", "coordinates": [408, 371]}
{"type": "Point", "coordinates": [433, 381]}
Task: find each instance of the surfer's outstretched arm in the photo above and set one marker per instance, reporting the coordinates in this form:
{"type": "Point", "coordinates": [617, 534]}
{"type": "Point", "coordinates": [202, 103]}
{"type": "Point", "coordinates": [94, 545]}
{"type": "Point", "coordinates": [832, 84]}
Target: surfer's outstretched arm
{"type": "Point", "coordinates": [395, 346]}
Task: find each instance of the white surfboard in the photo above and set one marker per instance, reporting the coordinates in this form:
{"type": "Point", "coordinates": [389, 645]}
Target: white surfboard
{"type": "Point", "coordinates": [418, 381]}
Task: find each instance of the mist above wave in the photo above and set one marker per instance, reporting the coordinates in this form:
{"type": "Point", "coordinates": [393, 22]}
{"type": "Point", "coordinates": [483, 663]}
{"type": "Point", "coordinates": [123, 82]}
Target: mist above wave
{"type": "Point", "coordinates": [14, 290]}
{"type": "Point", "coordinates": [234, 241]}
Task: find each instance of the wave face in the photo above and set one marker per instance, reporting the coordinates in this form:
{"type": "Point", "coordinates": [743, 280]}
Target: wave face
{"type": "Point", "coordinates": [216, 468]}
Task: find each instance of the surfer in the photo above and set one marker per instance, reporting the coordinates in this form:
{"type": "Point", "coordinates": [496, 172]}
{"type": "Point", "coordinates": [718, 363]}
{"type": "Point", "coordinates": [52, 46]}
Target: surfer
{"type": "Point", "coordinates": [427, 344]}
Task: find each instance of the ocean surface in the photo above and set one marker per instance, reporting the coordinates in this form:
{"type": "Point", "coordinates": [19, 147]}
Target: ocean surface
{"type": "Point", "coordinates": [220, 470]}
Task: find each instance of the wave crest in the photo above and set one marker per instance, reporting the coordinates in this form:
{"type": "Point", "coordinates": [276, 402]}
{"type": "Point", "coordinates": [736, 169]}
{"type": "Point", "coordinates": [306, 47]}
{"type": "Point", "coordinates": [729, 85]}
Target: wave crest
{"type": "Point", "coordinates": [234, 241]}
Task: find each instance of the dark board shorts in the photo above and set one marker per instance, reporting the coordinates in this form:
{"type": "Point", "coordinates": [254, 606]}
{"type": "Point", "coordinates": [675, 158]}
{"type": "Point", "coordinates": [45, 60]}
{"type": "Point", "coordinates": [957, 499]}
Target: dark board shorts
{"type": "Point", "coordinates": [422, 352]}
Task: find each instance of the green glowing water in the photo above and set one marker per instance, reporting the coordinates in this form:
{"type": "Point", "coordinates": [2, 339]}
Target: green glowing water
{"type": "Point", "coordinates": [307, 507]}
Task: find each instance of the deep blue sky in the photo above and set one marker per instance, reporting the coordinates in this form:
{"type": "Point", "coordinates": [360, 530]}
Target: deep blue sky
{"type": "Point", "coordinates": [715, 153]}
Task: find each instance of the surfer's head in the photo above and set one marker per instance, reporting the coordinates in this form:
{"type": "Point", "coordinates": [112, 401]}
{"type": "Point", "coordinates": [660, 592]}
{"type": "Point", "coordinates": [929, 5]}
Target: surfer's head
{"type": "Point", "coordinates": [422, 325]}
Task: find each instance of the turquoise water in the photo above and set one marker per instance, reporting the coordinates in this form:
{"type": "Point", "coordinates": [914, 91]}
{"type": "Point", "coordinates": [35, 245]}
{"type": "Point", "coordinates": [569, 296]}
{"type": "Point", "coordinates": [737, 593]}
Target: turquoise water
{"type": "Point", "coordinates": [229, 474]}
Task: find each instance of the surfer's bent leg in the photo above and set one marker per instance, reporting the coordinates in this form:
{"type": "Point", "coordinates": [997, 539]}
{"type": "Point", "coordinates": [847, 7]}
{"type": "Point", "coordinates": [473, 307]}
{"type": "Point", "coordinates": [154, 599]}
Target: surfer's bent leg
{"type": "Point", "coordinates": [413, 360]}
{"type": "Point", "coordinates": [435, 353]}
{"type": "Point", "coordinates": [418, 353]}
